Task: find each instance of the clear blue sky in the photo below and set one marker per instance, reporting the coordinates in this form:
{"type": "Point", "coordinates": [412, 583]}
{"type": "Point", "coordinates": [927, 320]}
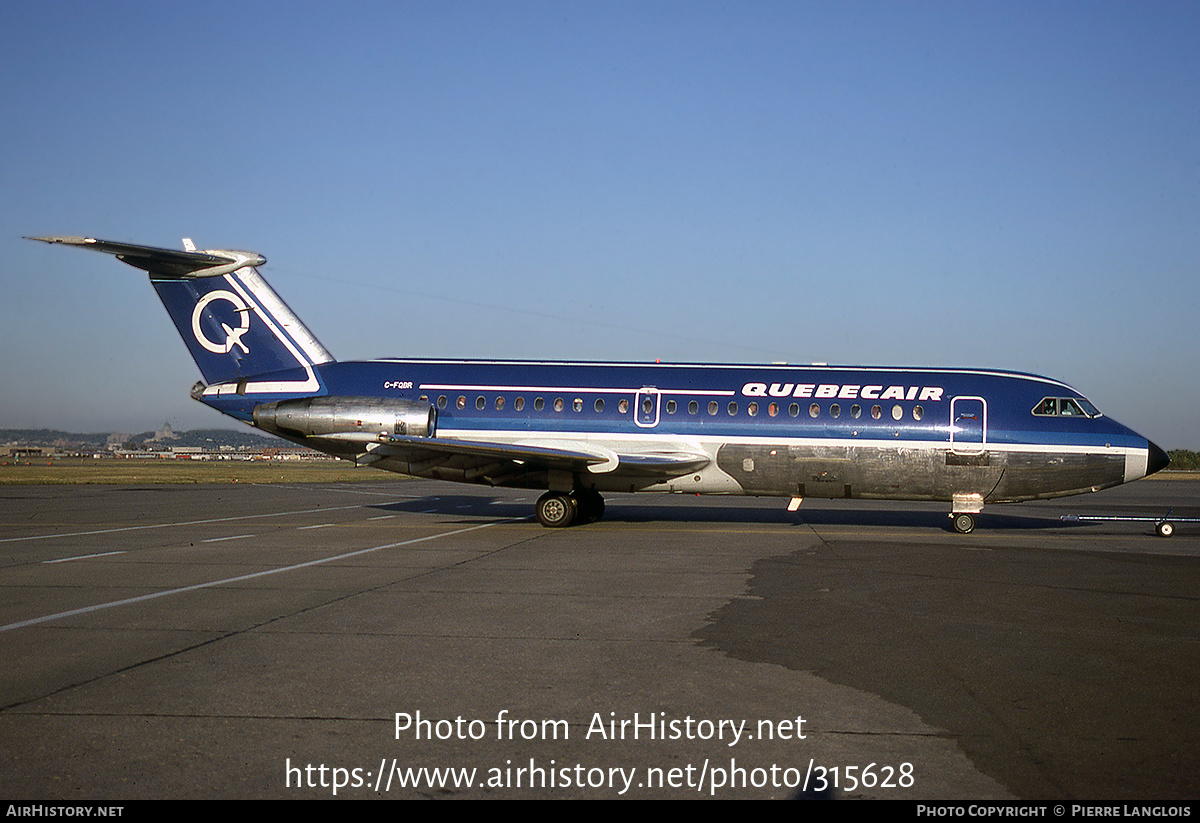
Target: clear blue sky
{"type": "Point", "coordinates": [1008, 184]}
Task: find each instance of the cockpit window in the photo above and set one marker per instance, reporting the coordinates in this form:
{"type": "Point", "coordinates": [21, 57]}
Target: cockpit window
{"type": "Point", "coordinates": [1065, 407]}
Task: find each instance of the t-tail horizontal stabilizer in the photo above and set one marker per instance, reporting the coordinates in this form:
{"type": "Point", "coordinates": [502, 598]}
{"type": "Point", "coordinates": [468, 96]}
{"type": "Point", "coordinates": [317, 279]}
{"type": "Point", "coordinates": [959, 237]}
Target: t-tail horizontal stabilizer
{"type": "Point", "coordinates": [234, 324]}
{"type": "Point", "coordinates": [167, 262]}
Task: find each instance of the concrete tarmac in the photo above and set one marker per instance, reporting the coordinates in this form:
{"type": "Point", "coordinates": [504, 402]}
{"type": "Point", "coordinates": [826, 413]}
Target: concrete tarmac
{"type": "Point", "coordinates": [403, 638]}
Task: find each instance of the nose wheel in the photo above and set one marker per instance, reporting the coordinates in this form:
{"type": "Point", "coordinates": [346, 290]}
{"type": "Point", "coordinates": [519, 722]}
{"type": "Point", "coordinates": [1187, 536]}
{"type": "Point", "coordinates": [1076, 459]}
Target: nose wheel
{"type": "Point", "coordinates": [964, 523]}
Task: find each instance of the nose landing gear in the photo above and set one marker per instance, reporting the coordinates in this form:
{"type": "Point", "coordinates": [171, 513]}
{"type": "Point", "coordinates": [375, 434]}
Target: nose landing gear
{"type": "Point", "coordinates": [964, 522]}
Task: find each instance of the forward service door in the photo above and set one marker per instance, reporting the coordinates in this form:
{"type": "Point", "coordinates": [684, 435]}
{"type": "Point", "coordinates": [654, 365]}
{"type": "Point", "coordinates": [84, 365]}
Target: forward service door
{"type": "Point", "coordinates": [968, 425]}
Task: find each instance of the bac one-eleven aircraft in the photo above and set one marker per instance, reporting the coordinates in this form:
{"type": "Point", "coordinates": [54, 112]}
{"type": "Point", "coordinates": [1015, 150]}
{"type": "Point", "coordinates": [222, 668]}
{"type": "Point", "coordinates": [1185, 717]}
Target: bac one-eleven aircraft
{"type": "Point", "coordinates": [962, 436]}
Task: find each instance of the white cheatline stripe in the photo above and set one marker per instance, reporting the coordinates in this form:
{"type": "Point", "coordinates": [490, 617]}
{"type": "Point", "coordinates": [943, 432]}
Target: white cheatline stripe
{"type": "Point", "coordinates": [141, 598]}
{"type": "Point", "coordinates": [453, 387]}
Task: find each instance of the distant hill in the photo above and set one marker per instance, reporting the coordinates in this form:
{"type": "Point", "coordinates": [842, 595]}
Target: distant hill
{"type": "Point", "coordinates": [50, 437]}
{"type": "Point", "coordinates": [211, 438]}
{"type": "Point", "coordinates": [164, 438]}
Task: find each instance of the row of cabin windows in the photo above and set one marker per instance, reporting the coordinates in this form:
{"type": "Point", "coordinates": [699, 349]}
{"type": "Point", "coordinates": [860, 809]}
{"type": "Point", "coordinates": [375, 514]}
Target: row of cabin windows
{"type": "Point", "coordinates": [693, 407]}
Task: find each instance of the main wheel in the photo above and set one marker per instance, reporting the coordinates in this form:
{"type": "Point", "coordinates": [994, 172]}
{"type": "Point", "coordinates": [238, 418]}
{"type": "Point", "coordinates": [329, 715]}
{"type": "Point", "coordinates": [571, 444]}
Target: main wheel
{"type": "Point", "coordinates": [591, 505]}
{"type": "Point", "coordinates": [1164, 529]}
{"type": "Point", "coordinates": [555, 510]}
{"type": "Point", "coordinates": [964, 523]}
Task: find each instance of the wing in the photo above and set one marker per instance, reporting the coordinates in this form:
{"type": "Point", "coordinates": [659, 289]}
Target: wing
{"type": "Point", "coordinates": [478, 456]}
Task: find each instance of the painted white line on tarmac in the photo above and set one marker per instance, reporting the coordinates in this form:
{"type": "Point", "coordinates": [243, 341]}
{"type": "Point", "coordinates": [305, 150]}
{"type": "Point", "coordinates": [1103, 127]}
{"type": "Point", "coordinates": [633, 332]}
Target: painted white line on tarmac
{"type": "Point", "coordinates": [82, 557]}
{"type": "Point", "coordinates": [173, 524]}
{"type": "Point", "coordinates": [142, 598]}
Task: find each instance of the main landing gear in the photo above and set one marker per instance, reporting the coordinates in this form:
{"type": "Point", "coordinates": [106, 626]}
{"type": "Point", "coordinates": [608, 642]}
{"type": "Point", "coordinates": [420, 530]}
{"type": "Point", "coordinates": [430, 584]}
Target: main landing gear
{"type": "Point", "coordinates": [558, 509]}
{"type": "Point", "coordinates": [964, 522]}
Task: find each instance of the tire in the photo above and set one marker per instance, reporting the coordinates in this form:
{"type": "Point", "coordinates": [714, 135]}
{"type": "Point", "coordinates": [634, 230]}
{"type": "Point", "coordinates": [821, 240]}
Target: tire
{"type": "Point", "coordinates": [1164, 529]}
{"type": "Point", "coordinates": [555, 510]}
{"type": "Point", "coordinates": [591, 505]}
{"type": "Point", "coordinates": [963, 523]}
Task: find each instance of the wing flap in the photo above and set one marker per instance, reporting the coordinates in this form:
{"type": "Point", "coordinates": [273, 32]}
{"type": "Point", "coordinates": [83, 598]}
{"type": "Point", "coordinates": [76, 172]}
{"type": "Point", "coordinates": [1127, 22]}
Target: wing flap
{"type": "Point", "coordinates": [549, 457]}
{"type": "Point", "coordinates": [563, 455]}
{"type": "Point", "coordinates": [666, 463]}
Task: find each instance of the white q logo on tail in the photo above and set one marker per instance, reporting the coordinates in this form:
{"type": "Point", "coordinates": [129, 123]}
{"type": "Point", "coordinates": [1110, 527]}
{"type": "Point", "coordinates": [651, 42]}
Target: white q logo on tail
{"type": "Point", "coordinates": [233, 337]}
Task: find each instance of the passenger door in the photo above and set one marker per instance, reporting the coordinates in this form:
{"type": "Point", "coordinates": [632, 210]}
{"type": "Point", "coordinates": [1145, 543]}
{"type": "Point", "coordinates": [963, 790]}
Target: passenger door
{"type": "Point", "coordinates": [968, 425]}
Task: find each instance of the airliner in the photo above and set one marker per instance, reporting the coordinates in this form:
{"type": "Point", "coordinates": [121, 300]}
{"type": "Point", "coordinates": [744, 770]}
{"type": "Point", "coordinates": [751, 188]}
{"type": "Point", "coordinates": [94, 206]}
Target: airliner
{"type": "Point", "coordinates": [577, 430]}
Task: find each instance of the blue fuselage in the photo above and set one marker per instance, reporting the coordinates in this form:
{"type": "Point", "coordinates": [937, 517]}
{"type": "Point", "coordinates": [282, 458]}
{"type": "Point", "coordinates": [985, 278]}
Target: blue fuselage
{"type": "Point", "coordinates": [938, 434]}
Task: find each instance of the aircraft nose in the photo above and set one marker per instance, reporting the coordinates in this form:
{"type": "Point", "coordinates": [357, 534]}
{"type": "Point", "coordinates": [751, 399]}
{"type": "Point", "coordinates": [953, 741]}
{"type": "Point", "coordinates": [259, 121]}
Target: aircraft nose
{"type": "Point", "coordinates": [1157, 460]}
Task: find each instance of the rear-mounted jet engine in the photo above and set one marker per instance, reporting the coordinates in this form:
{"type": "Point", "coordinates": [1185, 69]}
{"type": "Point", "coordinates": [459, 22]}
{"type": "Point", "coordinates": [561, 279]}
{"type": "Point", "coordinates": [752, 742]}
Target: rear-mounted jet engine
{"type": "Point", "coordinates": [346, 418]}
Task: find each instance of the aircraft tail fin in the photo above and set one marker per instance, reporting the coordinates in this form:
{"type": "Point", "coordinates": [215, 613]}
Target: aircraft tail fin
{"type": "Point", "coordinates": [231, 320]}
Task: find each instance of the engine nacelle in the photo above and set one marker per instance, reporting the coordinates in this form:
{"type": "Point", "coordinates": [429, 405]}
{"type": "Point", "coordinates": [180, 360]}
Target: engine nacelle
{"type": "Point", "coordinates": [347, 418]}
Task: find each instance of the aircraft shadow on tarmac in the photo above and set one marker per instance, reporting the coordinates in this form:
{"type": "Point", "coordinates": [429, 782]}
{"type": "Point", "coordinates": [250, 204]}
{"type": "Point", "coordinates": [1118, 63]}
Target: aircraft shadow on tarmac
{"type": "Point", "coordinates": [637, 511]}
